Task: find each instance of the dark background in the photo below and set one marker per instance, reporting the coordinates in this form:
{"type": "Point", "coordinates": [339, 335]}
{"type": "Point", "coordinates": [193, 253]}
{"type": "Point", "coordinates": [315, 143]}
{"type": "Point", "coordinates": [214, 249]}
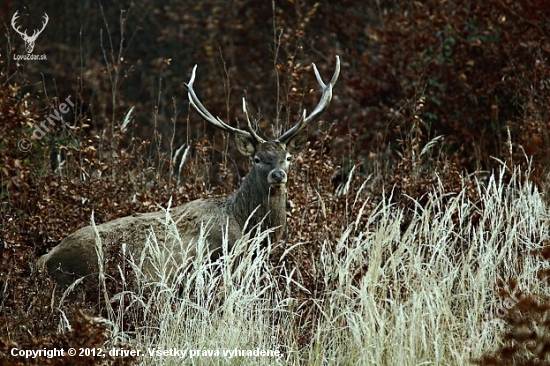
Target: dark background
{"type": "Point", "coordinates": [480, 66]}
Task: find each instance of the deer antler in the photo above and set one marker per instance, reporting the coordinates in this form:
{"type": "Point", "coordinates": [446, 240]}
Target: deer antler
{"type": "Point", "coordinates": [305, 120]}
{"type": "Point", "coordinates": [36, 32]}
{"type": "Point", "coordinates": [13, 20]}
{"type": "Point", "coordinates": [216, 121]}
{"type": "Point", "coordinates": [249, 124]}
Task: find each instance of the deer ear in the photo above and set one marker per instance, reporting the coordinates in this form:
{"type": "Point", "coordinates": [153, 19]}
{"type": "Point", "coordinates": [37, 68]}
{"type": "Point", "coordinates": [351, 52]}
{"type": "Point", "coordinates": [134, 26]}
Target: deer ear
{"type": "Point", "coordinates": [297, 142]}
{"type": "Point", "coordinates": [245, 144]}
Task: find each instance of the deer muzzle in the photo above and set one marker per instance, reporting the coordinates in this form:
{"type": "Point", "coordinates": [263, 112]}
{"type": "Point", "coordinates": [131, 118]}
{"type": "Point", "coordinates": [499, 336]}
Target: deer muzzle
{"type": "Point", "coordinates": [277, 177]}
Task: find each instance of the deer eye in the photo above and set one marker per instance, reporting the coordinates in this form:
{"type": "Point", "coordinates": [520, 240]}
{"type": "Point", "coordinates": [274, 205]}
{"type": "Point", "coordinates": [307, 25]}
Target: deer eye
{"type": "Point", "coordinates": [256, 160]}
{"type": "Point", "coordinates": [288, 158]}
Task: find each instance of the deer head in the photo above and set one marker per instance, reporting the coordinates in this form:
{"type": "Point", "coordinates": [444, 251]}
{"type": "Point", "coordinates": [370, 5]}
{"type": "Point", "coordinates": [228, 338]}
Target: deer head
{"type": "Point", "coordinates": [29, 40]}
{"type": "Point", "coordinates": [264, 188]}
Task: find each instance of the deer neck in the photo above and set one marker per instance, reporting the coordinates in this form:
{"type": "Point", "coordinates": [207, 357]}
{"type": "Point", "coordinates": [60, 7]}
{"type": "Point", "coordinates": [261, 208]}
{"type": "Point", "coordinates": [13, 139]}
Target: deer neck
{"type": "Point", "coordinates": [267, 204]}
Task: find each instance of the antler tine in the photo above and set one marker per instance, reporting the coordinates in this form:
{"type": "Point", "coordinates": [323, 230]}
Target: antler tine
{"type": "Point", "coordinates": [326, 97]}
{"type": "Point", "coordinates": [205, 114]}
{"type": "Point", "coordinates": [249, 124]}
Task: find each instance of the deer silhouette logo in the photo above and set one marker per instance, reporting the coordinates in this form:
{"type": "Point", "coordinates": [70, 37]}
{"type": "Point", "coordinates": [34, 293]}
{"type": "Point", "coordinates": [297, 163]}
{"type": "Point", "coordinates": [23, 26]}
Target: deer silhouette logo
{"type": "Point", "coordinates": [29, 40]}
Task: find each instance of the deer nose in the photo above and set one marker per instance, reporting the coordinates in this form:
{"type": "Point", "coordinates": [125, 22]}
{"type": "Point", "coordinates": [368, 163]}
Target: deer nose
{"type": "Point", "coordinates": [277, 177]}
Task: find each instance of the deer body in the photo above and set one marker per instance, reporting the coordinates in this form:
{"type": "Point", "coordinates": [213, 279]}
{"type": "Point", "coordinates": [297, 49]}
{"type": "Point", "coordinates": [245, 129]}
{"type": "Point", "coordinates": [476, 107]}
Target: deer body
{"type": "Point", "coordinates": [260, 202]}
{"type": "Point", "coordinates": [76, 255]}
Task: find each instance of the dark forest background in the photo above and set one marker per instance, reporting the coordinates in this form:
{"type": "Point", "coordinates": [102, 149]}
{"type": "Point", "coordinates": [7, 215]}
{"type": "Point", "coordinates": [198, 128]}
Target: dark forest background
{"type": "Point", "coordinates": [479, 68]}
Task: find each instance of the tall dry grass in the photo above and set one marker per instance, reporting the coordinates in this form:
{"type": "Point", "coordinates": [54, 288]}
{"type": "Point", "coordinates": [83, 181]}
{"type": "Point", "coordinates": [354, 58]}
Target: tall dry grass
{"type": "Point", "coordinates": [425, 294]}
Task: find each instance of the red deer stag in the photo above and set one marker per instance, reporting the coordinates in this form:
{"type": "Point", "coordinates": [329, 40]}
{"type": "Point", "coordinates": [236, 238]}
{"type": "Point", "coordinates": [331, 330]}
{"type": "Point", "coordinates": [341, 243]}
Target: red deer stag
{"type": "Point", "coordinates": [261, 200]}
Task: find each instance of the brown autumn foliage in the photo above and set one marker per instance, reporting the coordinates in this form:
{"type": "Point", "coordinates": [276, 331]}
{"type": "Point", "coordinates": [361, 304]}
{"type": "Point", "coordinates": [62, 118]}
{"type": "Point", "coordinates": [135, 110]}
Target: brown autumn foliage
{"type": "Point", "coordinates": [475, 72]}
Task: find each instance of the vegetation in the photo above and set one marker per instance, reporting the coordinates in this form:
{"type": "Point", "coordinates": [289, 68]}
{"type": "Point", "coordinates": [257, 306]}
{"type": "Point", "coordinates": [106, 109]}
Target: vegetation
{"type": "Point", "coordinates": [418, 216]}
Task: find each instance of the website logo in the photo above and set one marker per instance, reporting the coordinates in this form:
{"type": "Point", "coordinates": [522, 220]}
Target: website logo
{"type": "Point", "coordinates": [29, 40]}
